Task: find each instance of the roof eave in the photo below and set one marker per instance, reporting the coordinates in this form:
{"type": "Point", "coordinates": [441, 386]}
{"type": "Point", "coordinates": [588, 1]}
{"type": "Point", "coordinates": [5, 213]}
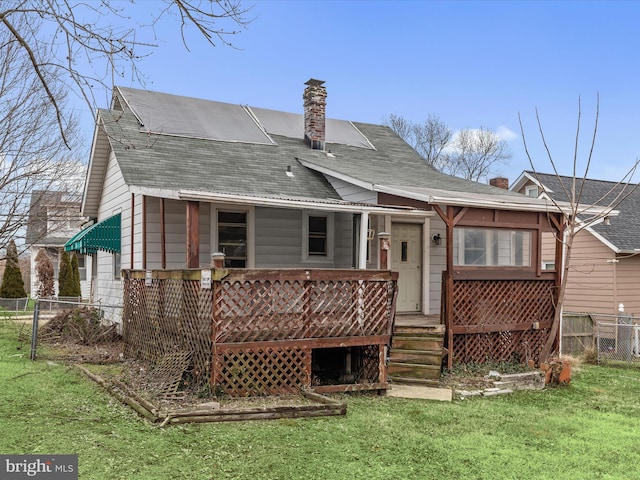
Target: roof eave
{"type": "Point", "coordinates": [311, 204]}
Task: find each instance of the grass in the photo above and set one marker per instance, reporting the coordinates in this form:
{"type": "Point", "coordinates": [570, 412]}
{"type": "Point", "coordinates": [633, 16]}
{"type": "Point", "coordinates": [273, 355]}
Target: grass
{"type": "Point", "coordinates": [587, 430]}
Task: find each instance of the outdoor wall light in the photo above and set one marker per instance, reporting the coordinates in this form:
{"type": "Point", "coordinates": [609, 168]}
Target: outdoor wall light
{"type": "Point", "coordinates": [289, 172]}
{"type": "Point", "coordinates": [436, 239]}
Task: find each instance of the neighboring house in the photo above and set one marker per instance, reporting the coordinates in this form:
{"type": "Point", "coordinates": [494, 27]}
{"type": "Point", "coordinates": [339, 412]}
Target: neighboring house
{"type": "Point", "coordinates": [54, 217]}
{"type": "Point", "coordinates": [604, 269]}
{"type": "Point", "coordinates": [173, 179]}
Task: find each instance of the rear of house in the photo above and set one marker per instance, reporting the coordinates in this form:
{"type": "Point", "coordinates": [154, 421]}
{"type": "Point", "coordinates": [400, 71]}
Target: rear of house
{"type": "Point", "coordinates": [174, 180]}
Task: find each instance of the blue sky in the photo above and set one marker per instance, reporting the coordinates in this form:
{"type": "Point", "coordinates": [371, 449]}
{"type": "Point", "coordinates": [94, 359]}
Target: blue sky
{"type": "Point", "coordinates": [472, 63]}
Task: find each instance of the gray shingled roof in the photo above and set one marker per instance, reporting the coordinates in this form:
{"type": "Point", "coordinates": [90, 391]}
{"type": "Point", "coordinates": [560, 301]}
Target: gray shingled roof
{"type": "Point", "coordinates": [173, 162]}
{"type": "Point", "coordinates": [394, 163]}
{"type": "Point", "coordinates": [624, 229]}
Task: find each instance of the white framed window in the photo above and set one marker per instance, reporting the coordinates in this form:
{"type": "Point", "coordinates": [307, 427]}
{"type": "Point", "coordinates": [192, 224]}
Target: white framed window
{"type": "Point", "coordinates": [491, 247]}
{"type": "Point", "coordinates": [548, 265]}
{"type": "Point", "coordinates": [531, 191]}
{"type": "Point", "coordinates": [116, 266]}
{"type": "Point", "coordinates": [317, 236]}
{"type": "Point", "coordinates": [82, 266]}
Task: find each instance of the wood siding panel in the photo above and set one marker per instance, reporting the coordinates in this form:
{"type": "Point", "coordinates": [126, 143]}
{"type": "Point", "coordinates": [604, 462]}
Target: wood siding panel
{"type": "Point", "coordinates": [628, 283]}
{"type": "Point", "coordinates": [590, 282]}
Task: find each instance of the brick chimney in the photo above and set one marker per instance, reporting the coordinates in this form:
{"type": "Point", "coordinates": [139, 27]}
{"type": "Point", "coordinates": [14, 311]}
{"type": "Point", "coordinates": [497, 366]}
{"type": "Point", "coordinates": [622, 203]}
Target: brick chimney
{"type": "Point", "coordinates": [500, 182]}
{"type": "Point", "coordinates": [315, 101]}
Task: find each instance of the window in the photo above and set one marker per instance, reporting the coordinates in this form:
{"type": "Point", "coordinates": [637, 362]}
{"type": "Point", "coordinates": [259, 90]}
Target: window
{"type": "Point", "coordinates": [531, 191]}
{"type": "Point", "coordinates": [491, 247]}
{"type": "Point", "coordinates": [116, 266]}
{"type": "Point", "coordinates": [232, 238]}
{"type": "Point", "coordinates": [82, 267]}
{"type": "Point", "coordinates": [548, 265]}
{"type": "Point", "coordinates": [317, 237]}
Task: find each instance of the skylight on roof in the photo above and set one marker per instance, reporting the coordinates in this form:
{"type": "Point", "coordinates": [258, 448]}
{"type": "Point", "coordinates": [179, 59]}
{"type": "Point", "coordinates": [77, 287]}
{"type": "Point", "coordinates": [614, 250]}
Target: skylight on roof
{"type": "Point", "coordinates": [168, 114]}
{"type": "Point", "coordinates": [195, 118]}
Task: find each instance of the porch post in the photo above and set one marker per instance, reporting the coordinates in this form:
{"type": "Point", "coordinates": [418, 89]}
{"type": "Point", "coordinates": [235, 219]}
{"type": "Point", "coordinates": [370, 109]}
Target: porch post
{"type": "Point", "coordinates": [163, 250]}
{"type": "Point", "coordinates": [362, 250]}
{"type": "Point", "coordinates": [193, 234]}
{"type": "Point", "coordinates": [385, 246]}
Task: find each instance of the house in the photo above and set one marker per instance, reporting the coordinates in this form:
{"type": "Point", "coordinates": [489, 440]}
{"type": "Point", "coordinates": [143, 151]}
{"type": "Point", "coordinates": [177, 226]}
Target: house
{"type": "Point", "coordinates": [604, 269]}
{"type": "Point", "coordinates": [173, 180]}
{"type": "Point", "coordinates": [54, 217]}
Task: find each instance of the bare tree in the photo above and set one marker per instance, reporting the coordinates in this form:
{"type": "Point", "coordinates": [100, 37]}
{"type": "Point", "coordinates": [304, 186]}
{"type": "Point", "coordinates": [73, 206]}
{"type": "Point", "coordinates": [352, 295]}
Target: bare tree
{"type": "Point", "coordinates": [577, 215]}
{"type": "Point", "coordinates": [475, 153]}
{"type": "Point", "coordinates": [84, 45]}
{"type": "Point", "coordinates": [32, 157]}
{"type": "Point", "coordinates": [470, 153]}
{"type": "Point", "coordinates": [430, 139]}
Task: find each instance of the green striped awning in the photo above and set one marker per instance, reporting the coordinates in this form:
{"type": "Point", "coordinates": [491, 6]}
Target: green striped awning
{"type": "Point", "coordinates": [104, 235]}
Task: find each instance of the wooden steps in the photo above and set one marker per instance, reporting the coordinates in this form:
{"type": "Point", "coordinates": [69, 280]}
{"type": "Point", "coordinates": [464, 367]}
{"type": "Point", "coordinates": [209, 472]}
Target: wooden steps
{"type": "Point", "coordinates": [416, 354]}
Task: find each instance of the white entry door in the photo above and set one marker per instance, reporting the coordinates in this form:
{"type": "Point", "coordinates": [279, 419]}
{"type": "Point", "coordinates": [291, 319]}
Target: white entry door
{"type": "Point", "coordinates": [406, 259]}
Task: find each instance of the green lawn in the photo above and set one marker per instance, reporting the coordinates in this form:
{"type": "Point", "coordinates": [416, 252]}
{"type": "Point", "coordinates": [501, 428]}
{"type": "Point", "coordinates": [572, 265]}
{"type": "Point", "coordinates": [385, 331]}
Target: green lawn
{"type": "Point", "coordinates": [589, 430]}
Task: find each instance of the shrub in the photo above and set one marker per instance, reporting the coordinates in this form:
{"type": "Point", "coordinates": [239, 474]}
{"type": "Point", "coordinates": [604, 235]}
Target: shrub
{"type": "Point", "coordinates": [76, 290]}
{"type": "Point", "coordinates": [12, 282]}
{"type": "Point", "coordinates": [65, 277]}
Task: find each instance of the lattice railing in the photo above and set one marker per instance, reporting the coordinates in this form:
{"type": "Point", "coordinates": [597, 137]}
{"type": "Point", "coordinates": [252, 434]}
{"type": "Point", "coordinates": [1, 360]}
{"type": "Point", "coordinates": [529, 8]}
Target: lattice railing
{"type": "Point", "coordinates": [226, 328]}
{"type": "Point", "coordinates": [249, 310]}
{"type": "Point", "coordinates": [500, 320]}
{"type": "Point", "coordinates": [168, 316]}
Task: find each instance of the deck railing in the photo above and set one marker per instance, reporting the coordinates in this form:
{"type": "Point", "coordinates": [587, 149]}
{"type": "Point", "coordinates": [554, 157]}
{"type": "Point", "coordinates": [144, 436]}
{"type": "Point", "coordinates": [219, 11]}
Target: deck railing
{"type": "Point", "coordinates": [255, 331]}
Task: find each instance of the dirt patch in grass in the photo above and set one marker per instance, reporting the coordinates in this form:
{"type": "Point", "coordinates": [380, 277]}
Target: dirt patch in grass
{"type": "Point", "coordinates": [475, 376]}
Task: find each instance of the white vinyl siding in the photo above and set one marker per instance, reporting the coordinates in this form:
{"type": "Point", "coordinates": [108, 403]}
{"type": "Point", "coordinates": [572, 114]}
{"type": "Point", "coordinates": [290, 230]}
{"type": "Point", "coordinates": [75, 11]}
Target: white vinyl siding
{"type": "Point", "coordinates": [352, 193]}
{"type": "Point", "coordinates": [175, 234]}
{"type": "Point", "coordinates": [115, 199]}
{"type": "Point", "coordinates": [438, 263]}
{"type": "Point", "coordinates": [279, 239]}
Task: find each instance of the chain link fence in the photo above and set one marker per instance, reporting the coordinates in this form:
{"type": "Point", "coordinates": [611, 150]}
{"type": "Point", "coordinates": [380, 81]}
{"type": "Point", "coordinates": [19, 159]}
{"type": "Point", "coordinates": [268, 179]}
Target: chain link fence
{"type": "Point", "coordinates": [617, 338]}
{"type": "Point", "coordinates": [610, 337]}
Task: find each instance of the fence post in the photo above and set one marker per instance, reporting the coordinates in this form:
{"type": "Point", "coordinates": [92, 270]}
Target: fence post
{"type": "Point", "coordinates": [623, 338]}
{"type": "Point", "coordinates": [34, 330]}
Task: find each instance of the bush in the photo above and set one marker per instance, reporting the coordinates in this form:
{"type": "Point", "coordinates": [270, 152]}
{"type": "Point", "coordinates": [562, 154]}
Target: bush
{"type": "Point", "coordinates": [67, 279]}
{"type": "Point", "coordinates": [12, 283]}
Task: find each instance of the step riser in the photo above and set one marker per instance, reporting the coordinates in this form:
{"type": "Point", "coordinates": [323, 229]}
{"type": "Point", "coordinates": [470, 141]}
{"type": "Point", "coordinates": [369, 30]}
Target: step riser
{"type": "Point", "coordinates": [418, 331]}
{"type": "Point", "coordinates": [415, 381]}
{"type": "Point", "coordinates": [415, 357]}
{"type": "Point", "coordinates": [411, 343]}
{"type": "Point", "coordinates": [413, 371]}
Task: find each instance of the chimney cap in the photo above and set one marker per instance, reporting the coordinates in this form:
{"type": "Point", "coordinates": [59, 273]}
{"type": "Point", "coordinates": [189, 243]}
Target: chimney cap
{"type": "Point", "coordinates": [312, 82]}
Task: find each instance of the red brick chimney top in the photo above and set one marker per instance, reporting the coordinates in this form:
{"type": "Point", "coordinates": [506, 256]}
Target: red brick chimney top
{"type": "Point", "coordinates": [315, 102]}
{"type": "Point", "coordinates": [500, 182]}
